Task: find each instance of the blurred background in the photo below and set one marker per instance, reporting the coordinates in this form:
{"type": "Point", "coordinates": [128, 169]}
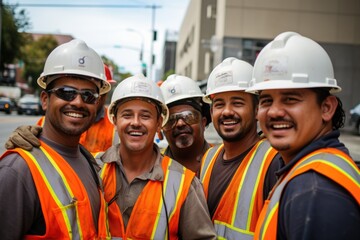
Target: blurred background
{"type": "Point", "coordinates": [161, 37]}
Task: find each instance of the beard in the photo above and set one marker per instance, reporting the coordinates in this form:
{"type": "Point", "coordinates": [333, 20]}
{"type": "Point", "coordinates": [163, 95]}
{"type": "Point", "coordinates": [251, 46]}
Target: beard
{"type": "Point", "coordinates": [184, 141]}
{"type": "Point", "coordinates": [74, 130]}
{"type": "Point", "coordinates": [183, 137]}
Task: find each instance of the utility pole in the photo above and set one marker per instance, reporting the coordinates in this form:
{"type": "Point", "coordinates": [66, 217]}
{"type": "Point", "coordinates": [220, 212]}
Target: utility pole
{"type": "Point", "coordinates": [153, 38]}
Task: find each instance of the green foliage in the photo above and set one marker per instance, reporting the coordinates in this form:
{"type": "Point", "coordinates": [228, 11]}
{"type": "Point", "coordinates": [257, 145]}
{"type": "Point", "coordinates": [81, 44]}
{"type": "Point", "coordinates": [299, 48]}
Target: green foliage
{"type": "Point", "coordinates": [168, 73]}
{"type": "Point", "coordinates": [34, 57]}
{"type": "Point", "coordinates": [117, 74]}
{"type": "Point", "coordinates": [13, 23]}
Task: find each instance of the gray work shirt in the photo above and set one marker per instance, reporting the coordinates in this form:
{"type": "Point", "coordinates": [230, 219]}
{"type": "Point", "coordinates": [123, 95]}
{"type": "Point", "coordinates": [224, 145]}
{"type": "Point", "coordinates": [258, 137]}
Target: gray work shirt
{"type": "Point", "coordinates": [20, 208]}
{"type": "Point", "coordinates": [194, 223]}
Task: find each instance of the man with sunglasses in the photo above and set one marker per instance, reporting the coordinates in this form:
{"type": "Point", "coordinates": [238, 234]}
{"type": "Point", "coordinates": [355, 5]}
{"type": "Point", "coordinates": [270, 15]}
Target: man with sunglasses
{"type": "Point", "coordinates": [188, 118]}
{"type": "Point", "coordinates": [101, 135]}
{"type": "Point", "coordinates": [238, 174]}
{"type": "Point", "coordinates": [54, 191]}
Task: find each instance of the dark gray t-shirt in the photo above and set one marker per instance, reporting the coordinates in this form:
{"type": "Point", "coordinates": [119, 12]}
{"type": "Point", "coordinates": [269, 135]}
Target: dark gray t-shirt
{"type": "Point", "coordinates": [20, 209]}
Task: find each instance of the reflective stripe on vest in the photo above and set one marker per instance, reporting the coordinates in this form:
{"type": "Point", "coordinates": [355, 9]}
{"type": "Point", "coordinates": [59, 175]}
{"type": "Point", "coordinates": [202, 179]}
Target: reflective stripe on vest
{"type": "Point", "coordinates": [208, 158]}
{"type": "Point", "coordinates": [236, 215]}
{"type": "Point", "coordinates": [149, 218]}
{"type": "Point", "coordinates": [331, 163]}
{"type": "Point", "coordinates": [64, 203]}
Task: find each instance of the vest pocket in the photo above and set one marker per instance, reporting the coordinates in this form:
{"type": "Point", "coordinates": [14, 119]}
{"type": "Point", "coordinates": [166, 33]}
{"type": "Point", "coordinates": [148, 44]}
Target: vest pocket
{"type": "Point", "coordinates": [72, 221]}
{"type": "Point", "coordinates": [143, 222]}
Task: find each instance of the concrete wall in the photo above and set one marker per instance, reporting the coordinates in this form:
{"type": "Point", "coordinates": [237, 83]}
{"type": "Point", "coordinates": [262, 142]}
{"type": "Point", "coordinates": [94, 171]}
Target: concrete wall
{"type": "Point", "coordinates": [335, 24]}
{"type": "Point", "coordinates": [196, 27]}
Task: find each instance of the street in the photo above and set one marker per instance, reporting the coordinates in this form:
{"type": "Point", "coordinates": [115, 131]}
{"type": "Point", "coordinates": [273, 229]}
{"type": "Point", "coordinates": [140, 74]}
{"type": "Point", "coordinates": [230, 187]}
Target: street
{"type": "Point", "coordinates": [9, 122]}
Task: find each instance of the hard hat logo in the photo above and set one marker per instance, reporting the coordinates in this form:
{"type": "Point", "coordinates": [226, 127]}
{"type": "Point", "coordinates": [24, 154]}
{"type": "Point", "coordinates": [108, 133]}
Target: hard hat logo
{"type": "Point", "coordinates": [223, 78]}
{"type": "Point", "coordinates": [172, 90]}
{"type": "Point", "coordinates": [276, 67]}
{"type": "Point", "coordinates": [82, 60]}
{"type": "Point", "coordinates": [141, 87]}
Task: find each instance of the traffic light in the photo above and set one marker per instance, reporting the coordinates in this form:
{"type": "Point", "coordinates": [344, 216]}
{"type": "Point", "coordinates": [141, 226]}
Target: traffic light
{"type": "Point", "coordinates": [143, 68]}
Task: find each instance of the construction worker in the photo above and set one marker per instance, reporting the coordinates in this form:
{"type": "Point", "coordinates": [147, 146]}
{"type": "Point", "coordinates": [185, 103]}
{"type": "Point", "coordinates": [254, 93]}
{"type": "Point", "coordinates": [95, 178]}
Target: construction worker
{"type": "Point", "coordinates": [238, 174]}
{"type": "Point", "coordinates": [54, 192]}
{"type": "Point", "coordinates": [101, 135]}
{"type": "Point", "coordinates": [150, 196]}
{"type": "Point", "coordinates": [318, 194]}
{"type": "Point", "coordinates": [188, 118]}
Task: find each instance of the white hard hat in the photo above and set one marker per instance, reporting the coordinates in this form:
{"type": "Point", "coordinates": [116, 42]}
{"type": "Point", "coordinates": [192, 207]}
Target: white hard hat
{"type": "Point", "coordinates": [74, 58]}
{"type": "Point", "coordinates": [177, 87]}
{"type": "Point", "coordinates": [231, 74]}
{"type": "Point", "coordinates": [293, 61]}
{"type": "Point", "coordinates": [138, 86]}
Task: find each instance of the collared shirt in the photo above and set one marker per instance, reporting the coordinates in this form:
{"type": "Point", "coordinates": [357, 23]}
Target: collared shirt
{"type": "Point", "coordinates": [195, 222]}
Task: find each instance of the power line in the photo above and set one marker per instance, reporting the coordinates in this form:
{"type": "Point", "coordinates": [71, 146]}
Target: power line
{"type": "Point", "coordinates": [83, 5]}
{"type": "Point", "coordinates": [59, 5]}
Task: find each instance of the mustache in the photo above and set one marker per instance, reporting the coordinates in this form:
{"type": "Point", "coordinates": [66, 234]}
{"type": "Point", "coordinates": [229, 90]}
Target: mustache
{"type": "Point", "coordinates": [76, 109]}
{"type": "Point", "coordinates": [279, 119]}
{"type": "Point", "coordinates": [224, 118]}
{"type": "Point", "coordinates": [134, 128]}
{"type": "Point", "coordinates": [176, 132]}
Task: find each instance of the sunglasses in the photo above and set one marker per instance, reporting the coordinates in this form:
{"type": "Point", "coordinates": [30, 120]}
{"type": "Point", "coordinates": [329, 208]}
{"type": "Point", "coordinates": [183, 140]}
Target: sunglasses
{"type": "Point", "coordinates": [69, 94]}
{"type": "Point", "coordinates": [189, 117]}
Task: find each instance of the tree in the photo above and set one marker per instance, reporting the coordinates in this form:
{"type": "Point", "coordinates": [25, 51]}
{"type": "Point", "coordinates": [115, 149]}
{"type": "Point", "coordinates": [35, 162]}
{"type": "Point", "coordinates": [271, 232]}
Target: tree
{"type": "Point", "coordinates": [34, 57]}
{"type": "Point", "coordinates": [13, 24]}
{"type": "Point", "coordinates": [168, 73]}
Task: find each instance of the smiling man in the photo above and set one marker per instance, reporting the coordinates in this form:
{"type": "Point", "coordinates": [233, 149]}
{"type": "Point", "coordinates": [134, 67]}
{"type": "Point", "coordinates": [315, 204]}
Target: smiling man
{"type": "Point", "coordinates": [150, 196]}
{"type": "Point", "coordinates": [188, 118]}
{"type": "Point", "coordinates": [318, 194]}
{"type": "Point", "coordinates": [237, 175]}
{"type": "Point", "coordinates": [54, 192]}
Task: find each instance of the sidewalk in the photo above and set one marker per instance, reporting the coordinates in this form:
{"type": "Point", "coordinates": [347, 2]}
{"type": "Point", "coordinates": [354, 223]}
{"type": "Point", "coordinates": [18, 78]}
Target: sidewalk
{"type": "Point", "coordinates": [352, 141]}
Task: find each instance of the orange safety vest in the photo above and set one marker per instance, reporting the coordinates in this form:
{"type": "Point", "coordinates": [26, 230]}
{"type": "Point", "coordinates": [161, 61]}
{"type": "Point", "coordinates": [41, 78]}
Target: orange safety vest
{"type": "Point", "coordinates": [99, 137]}
{"type": "Point", "coordinates": [329, 162]}
{"type": "Point", "coordinates": [241, 204]}
{"type": "Point", "coordinates": [63, 198]}
{"type": "Point", "coordinates": [156, 212]}
{"type": "Point", "coordinates": [41, 121]}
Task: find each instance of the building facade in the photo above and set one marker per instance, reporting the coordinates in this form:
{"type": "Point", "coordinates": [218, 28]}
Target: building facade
{"type": "Point", "coordinates": [215, 29]}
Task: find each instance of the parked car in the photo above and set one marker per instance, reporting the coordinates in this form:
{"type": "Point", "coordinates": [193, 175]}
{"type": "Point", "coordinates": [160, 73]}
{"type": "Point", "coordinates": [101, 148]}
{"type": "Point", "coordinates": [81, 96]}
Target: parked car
{"type": "Point", "coordinates": [6, 105]}
{"type": "Point", "coordinates": [355, 117]}
{"type": "Point", "coordinates": [29, 104]}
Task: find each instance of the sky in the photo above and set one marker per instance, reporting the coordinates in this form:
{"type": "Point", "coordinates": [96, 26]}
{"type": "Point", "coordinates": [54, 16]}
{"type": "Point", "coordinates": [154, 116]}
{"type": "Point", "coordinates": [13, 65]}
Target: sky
{"type": "Point", "coordinates": [105, 29]}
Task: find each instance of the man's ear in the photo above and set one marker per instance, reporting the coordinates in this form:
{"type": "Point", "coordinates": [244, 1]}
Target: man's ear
{"type": "Point", "coordinates": [203, 122]}
{"type": "Point", "coordinates": [328, 107]}
{"type": "Point", "coordinates": [159, 126]}
{"type": "Point", "coordinates": [44, 97]}
{"type": "Point", "coordinates": [160, 135]}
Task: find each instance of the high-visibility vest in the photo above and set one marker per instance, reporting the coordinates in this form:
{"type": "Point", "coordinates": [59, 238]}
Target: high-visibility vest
{"type": "Point", "coordinates": [239, 208]}
{"type": "Point", "coordinates": [41, 121]}
{"type": "Point", "coordinates": [331, 163]}
{"type": "Point", "coordinates": [98, 138]}
{"type": "Point", "coordinates": [63, 198]}
{"type": "Point", "coordinates": [154, 216]}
